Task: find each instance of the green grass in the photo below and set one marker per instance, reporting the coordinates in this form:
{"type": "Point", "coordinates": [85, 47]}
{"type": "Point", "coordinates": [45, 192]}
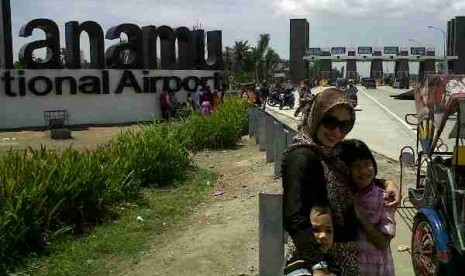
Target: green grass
{"type": "Point", "coordinates": [117, 243]}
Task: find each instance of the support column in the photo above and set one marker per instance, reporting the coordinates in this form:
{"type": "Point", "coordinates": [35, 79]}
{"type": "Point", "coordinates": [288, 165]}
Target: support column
{"type": "Point", "coordinates": [402, 70]}
{"type": "Point", "coordinates": [427, 66]}
{"type": "Point", "coordinates": [376, 69]}
{"type": "Point", "coordinates": [326, 66]}
{"type": "Point", "coordinates": [299, 43]}
{"type": "Point", "coordinates": [351, 72]}
{"type": "Point", "coordinates": [459, 45]}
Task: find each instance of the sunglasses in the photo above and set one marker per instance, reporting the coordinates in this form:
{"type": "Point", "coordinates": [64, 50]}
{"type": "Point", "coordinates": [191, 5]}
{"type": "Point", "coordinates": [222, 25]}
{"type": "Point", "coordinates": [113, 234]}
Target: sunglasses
{"type": "Point", "coordinates": [330, 122]}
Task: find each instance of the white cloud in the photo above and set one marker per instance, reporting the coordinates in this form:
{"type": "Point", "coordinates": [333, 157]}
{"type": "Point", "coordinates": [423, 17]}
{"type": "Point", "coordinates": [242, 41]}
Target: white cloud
{"type": "Point", "coordinates": [370, 8]}
{"type": "Point", "coordinates": [358, 22]}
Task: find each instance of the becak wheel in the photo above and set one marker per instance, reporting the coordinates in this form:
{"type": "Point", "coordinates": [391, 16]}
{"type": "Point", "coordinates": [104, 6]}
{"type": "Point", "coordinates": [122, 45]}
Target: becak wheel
{"type": "Point", "coordinates": [425, 256]}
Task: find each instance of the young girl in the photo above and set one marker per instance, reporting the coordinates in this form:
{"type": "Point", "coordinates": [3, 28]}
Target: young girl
{"type": "Point", "coordinates": [377, 223]}
{"type": "Point", "coordinates": [206, 100]}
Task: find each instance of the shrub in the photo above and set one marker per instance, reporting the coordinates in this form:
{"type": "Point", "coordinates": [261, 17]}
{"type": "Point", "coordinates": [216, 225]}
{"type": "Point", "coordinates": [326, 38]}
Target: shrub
{"type": "Point", "coordinates": [44, 192]}
{"type": "Point", "coordinates": [223, 129]}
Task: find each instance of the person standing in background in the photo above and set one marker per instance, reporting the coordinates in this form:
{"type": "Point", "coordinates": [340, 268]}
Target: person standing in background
{"type": "Point", "coordinates": [165, 104]}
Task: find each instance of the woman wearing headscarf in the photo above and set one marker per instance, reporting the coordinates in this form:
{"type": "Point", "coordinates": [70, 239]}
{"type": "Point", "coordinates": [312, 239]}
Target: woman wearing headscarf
{"type": "Point", "coordinates": [313, 174]}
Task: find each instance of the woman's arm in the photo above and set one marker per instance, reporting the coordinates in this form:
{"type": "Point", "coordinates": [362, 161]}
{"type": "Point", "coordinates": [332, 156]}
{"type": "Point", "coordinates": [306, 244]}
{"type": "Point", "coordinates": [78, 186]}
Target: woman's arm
{"type": "Point", "coordinates": [303, 185]}
{"type": "Point", "coordinates": [392, 193]}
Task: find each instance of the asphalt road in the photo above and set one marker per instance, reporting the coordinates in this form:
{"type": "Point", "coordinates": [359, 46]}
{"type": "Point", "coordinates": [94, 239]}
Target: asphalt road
{"type": "Point", "coordinates": [399, 108]}
{"type": "Point", "coordinates": [384, 130]}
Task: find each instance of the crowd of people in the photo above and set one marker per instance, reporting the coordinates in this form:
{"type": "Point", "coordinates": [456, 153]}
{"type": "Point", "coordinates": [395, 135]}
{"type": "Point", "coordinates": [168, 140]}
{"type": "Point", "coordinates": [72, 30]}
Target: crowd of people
{"type": "Point", "coordinates": [338, 214]}
{"type": "Point", "coordinates": [258, 94]}
{"type": "Point", "coordinates": [203, 100]}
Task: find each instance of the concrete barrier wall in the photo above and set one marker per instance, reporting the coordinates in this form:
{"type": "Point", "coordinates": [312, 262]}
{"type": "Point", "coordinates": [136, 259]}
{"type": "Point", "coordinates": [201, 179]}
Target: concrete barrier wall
{"type": "Point", "coordinates": [271, 136]}
{"type": "Point", "coordinates": [271, 235]}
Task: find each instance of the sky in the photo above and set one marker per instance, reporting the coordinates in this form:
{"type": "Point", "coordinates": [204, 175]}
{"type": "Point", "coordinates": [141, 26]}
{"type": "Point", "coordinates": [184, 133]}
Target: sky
{"type": "Point", "coordinates": [347, 23]}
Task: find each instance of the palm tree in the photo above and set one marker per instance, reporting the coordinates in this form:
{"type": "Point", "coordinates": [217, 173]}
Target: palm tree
{"type": "Point", "coordinates": [260, 54]}
{"type": "Point", "coordinates": [255, 62]}
{"type": "Point", "coordinates": [240, 54]}
{"type": "Point", "coordinates": [228, 59]}
{"type": "Point", "coordinates": [252, 63]}
{"type": "Point", "coordinates": [271, 60]}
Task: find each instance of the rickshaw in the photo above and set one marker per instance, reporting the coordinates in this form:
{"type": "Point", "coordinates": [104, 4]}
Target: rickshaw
{"type": "Point", "coordinates": [436, 201]}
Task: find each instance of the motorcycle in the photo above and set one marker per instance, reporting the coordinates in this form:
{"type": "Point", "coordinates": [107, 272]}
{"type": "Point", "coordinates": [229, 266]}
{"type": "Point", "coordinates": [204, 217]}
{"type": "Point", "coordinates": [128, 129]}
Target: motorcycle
{"type": "Point", "coordinates": [274, 98]}
{"type": "Point", "coordinates": [352, 95]}
{"type": "Point", "coordinates": [287, 99]}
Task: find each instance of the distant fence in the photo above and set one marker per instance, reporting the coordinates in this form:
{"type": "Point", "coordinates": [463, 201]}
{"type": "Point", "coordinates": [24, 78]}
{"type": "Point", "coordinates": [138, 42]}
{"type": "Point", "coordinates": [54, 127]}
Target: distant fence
{"type": "Point", "coordinates": [272, 136]}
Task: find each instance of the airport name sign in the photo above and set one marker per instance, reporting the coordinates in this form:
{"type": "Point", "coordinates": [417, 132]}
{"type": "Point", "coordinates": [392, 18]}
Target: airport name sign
{"type": "Point", "coordinates": [119, 84]}
{"type": "Point", "coordinates": [141, 46]}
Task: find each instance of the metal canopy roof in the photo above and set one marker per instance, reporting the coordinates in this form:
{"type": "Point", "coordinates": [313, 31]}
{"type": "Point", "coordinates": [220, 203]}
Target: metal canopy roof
{"type": "Point", "coordinates": [383, 58]}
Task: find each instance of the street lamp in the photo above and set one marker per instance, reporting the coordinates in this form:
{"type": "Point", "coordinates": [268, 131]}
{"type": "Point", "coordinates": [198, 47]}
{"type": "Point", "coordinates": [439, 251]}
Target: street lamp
{"type": "Point", "coordinates": [446, 66]}
{"type": "Point", "coordinates": [416, 41]}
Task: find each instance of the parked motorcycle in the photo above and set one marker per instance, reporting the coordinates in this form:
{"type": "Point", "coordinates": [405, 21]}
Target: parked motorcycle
{"type": "Point", "coordinates": [287, 99]}
{"type": "Point", "coordinates": [274, 98]}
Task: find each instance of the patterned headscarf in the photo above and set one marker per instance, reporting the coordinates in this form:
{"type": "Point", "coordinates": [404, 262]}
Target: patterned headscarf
{"type": "Point", "coordinates": [314, 113]}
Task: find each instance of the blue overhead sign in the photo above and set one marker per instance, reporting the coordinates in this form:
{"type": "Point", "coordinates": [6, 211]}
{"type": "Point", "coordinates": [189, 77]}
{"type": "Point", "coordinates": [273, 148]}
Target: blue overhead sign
{"type": "Point", "coordinates": [338, 51]}
{"type": "Point", "coordinates": [314, 51]}
{"type": "Point", "coordinates": [364, 50]}
{"type": "Point", "coordinates": [418, 51]}
{"type": "Point", "coordinates": [391, 50]}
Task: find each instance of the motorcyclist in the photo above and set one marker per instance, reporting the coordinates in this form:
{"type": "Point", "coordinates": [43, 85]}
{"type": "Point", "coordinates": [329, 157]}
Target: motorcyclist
{"type": "Point", "coordinates": [352, 94]}
{"type": "Point", "coordinates": [352, 89]}
{"type": "Point", "coordinates": [264, 93]}
{"type": "Point", "coordinates": [287, 96]}
{"type": "Point", "coordinates": [288, 86]}
{"type": "Point", "coordinates": [305, 97]}
{"type": "Point", "coordinates": [274, 96]}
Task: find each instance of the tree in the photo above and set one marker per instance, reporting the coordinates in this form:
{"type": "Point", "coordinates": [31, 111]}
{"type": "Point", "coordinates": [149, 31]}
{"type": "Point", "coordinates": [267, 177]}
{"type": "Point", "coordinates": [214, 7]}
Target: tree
{"type": "Point", "coordinates": [228, 60]}
{"type": "Point", "coordinates": [248, 63]}
{"type": "Point", "coordinates": [19, 65]}
{"type": "Point", "coordinates": [259, 56]}
{"type": "Point", "coordinates": [271, 61]}
{"type": "Point", "coordinates": [314, 69]}
{"type": "Point", "coordinates": [240, 53]}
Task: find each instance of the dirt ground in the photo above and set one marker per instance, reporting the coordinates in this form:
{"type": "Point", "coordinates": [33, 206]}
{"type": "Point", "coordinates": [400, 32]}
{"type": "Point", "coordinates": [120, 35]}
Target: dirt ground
{"type": "Point", "coordinates": [82, 138]}
{"type": "Point", "coordinates": [221, 237]}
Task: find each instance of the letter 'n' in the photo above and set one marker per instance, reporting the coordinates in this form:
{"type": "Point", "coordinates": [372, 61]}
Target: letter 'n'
{"type": "Point", "coordinates": [73, 44]}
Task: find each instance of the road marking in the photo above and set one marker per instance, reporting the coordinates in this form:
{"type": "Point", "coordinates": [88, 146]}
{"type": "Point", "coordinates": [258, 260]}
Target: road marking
{"type": "Point", "coordinates": [389, 111]}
